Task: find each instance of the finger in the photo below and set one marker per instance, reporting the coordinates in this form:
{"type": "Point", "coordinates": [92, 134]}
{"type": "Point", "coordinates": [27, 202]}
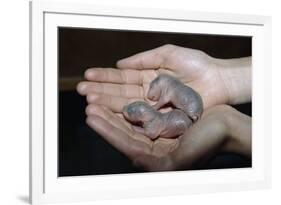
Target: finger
{"type": "Point", "coordinates": [126, 90]}
{"type": "Point", "coordinates": [116, 137]}
{"type": "Point", "coordinates": [151, 59]}
{"type": "Point", "coordinates": [114, 103]}
{"type": "Point", "coordinates": [112, 75]}
{"type": "Point", "coordinates": [105, 113]}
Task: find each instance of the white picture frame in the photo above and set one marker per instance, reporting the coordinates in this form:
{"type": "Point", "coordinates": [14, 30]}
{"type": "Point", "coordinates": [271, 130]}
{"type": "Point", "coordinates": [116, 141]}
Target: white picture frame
{"type": "Point", "coordinates": [46, 187]}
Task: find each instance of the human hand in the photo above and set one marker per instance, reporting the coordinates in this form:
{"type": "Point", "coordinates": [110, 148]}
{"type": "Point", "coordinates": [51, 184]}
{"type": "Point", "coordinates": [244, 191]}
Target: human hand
{"type": "Point", "coordinates": [217, 81]}
{"type": "Point", "coordinates": [221, 128]}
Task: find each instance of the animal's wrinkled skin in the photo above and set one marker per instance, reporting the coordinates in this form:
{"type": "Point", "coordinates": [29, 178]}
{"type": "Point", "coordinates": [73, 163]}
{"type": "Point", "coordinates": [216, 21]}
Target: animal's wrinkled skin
{"type": "Point", "coordinates": [167, 89]}
{"type": "Point", "coordinates": [155, 124]}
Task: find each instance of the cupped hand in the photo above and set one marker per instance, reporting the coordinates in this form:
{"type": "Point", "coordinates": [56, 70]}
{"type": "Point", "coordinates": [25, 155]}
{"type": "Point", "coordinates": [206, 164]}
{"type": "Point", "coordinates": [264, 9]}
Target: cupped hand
{"type": "Point", "coordinates": [140, 149]}
{"type": "Point", "coordinates": [115, 88]}
{"type": "Point", "coordinates": [204, 138]}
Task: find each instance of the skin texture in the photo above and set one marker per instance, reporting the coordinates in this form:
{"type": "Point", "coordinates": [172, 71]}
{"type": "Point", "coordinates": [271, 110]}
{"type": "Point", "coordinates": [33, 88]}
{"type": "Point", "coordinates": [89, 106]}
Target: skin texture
{"type": "Point", "coordinates": [220, 128]}
{"type": "Point", "coordinates": [167, 89]}
{"type": "Point", "coordinates": [155, 124]}
{"type": "Point", "coordinates": [217, 81]}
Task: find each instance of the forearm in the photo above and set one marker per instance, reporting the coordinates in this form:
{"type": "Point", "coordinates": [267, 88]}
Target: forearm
{"type": "Point", "coordinates": [237, 79]}
{"type": "Point", "coordinates": [239, 133]}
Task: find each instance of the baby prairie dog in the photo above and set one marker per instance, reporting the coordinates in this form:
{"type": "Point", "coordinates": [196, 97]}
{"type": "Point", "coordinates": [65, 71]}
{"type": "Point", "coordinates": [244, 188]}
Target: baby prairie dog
{"type": "Point", "coordinates": [155, 124]}
{"type": "Point", "coordinates": [167, 89]}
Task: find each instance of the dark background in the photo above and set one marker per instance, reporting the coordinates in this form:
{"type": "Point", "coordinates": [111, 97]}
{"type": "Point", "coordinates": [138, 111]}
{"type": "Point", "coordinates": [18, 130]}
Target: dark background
{"type": "Point", "coordinates": [81, 150]}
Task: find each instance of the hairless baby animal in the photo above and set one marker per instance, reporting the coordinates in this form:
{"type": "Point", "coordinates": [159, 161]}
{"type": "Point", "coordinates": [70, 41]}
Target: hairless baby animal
{"type": "Point", "coordinates": [155, 124]}
{"type": "Point", "coordinates": [167, 89]}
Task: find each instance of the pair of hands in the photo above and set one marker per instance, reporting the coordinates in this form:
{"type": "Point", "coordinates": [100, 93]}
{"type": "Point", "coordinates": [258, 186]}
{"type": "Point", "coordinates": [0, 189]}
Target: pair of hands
{"type": "Point", "coordinates": [109, 90]}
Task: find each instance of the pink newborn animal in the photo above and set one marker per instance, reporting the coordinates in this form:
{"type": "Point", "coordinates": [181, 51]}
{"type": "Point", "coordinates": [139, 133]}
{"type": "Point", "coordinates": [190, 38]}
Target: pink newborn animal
{"type": "Point", "coordinates": [167, 89]}
{"type": "Point", "coordinates": [155, 124]}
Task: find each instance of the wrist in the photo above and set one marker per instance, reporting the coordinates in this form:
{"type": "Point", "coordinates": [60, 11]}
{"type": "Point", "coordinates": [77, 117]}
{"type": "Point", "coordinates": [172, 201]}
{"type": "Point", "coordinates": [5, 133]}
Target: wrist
{"type": "Point", "coordinates": [238, 133]}
{"type": "Point", "coordinates": [235, 76]}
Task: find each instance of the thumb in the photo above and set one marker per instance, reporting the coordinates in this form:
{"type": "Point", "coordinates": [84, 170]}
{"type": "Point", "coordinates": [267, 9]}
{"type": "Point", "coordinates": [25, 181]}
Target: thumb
{"type": "Point", "coordinates": [151, 59]}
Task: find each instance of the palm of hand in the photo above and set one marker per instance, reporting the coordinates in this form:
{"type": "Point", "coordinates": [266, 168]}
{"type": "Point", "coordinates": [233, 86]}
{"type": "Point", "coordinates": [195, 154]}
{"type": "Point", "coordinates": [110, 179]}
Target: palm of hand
{"type": "Point", "coordinates": [202, 139]}
{"type": "Point", "coordinates": [115, 88]}
{"type": "Point", "coordinates": [149, 154]}
{"type": "Point", "coordinates": [194, 68]}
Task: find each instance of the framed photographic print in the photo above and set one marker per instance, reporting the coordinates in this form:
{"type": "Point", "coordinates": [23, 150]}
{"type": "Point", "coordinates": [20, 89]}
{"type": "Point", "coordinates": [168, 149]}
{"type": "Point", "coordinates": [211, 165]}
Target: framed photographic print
{"type": "Point", "coordinates": [187, 110]}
